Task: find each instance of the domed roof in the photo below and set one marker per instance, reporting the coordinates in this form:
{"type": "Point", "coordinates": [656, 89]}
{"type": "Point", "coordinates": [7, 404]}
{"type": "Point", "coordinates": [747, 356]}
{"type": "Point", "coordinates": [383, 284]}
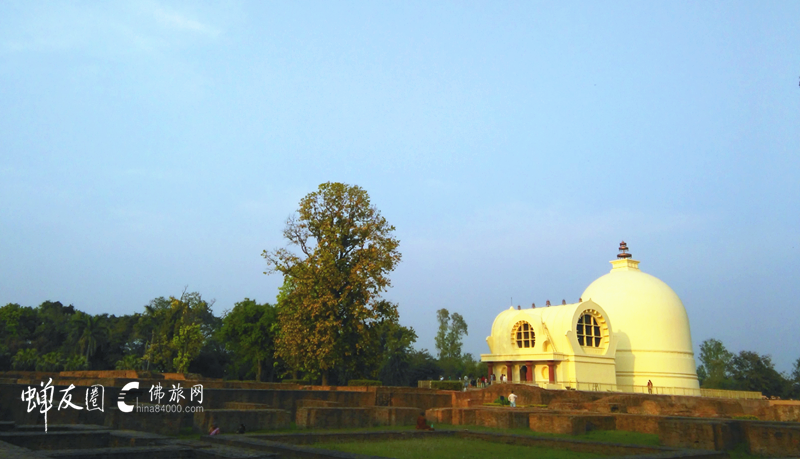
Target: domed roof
{"type": "Point", "coordinates": [552, 327]}
{"type": "Point", "coordinates": [646, 313]}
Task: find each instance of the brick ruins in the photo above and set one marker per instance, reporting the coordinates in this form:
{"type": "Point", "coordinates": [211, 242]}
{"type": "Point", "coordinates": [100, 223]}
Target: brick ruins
{"type": "Point", "coordinates": [713, 425]}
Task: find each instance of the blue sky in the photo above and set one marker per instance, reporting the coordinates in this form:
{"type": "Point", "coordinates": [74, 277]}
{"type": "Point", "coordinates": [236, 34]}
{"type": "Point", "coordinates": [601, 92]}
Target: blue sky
{"type": "Point", "coordinates": [147, 146]}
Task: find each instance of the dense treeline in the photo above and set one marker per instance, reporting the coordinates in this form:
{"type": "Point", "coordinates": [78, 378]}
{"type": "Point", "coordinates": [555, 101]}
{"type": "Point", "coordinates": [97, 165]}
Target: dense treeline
{"type": "Point", "coordinates": [181, 334]}
{"type": "Point", "coordinates": [329, 322]}
{"type": "Point", "coordinates": [747, 370]}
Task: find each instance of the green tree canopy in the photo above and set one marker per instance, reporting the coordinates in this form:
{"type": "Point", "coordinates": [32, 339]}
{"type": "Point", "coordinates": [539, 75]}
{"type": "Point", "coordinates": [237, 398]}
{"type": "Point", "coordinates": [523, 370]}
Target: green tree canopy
{"type": "Point", "coordinates": [346, 251]}
{"type": "Point", "coordinates": [93, 335]}
{"type": "Point", "coordinates": [714, 365]}
{"type": "Point", "coordinates": [248, 330]}
{"type": "Point", "coordinates": [395, 342]}
{"type": "Point", "coordinates": [450, 336]}
{"type": "Point", "coordinates": [423, 367]}
{"type": "Point", "coordinates": [794, 381]}
{"type": "Point", "coordinates": [177, 328]}
{"type": "Point", "coordinates": [754, 372]}
{"type": "Point", "coordinates": [17, 328]}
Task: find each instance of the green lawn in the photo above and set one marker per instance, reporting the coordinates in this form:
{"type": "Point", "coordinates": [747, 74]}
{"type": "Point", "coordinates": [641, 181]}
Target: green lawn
{"type": "Point", "coordinates": [605, 436]}
{"type": "Point", "coordinates": [451, 448]}
{"type": "Point", "coordinates": [294, 429]}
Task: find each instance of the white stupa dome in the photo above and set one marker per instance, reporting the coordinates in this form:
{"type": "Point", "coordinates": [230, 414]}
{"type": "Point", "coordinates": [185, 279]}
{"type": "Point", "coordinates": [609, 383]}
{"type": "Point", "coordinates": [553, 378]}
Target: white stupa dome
{"type": "Point", "coordinates": [651, 325]}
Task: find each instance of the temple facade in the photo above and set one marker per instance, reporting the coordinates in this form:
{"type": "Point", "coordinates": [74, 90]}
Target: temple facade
{"type": "Point", "coordinates": [628, 328]}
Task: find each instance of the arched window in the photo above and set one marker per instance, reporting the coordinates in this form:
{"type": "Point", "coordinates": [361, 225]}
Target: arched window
{"type": "Point", "coordinates": [589, 330]}
{"type": "Point", "coordinates": [522, 335]}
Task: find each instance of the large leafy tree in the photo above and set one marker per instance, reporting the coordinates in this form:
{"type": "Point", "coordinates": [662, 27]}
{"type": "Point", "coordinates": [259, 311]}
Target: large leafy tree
{"type": "Point", "coordinates": [754, 372]}
{"type": "Point", "coordinates": [178, 328]}
{"type": "Point", "coordinates": [422, 366]}
{"type": "Point", "coordinates": [394, 341]}
{"type": "Point", "coordinates": [94, 334]}
{"type": "Point", "coordinates": [17, 327]}
{"type": "Point", "coordinates": [248, 331]}
{"type": "Point", "coordinates": [346, 251]}
{"type": "Point", "coordinates": [52, 331]}
{"type": "Point", "coordinates": [450, 336]}
{"type": "Point", "coordinates": [714, 366]}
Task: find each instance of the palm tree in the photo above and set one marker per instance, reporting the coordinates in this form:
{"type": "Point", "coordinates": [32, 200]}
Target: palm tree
{"type": "Point", "coordinates": [94, 336]}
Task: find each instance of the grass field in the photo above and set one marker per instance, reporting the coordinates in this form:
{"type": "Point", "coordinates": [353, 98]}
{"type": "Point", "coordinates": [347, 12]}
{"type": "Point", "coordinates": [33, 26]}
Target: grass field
{"type": "Point", "coordinates": [451, 448]}
{"type": "Point", "coordinates": [603, 436]}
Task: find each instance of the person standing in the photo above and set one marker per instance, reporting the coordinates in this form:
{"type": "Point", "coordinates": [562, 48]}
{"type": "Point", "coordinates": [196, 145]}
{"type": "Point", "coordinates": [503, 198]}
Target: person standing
{"type": "Point", "coordinates": [513, 399]}
{"type": "Point", "coordinates": [649, 386]}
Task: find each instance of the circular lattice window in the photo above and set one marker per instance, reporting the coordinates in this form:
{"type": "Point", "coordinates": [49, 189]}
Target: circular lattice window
{"type": "Point", "coordinates": [522, 335]}
{"type": "Point", "coordinates": [592, 329]}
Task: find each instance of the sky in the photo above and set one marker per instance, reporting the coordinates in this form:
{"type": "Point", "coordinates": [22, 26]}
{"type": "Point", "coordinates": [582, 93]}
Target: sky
{"type": "Point", "coordinates": [152, 146]}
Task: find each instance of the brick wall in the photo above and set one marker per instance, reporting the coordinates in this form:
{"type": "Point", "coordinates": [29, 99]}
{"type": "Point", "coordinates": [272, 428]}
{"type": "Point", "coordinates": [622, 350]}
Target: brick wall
{"type": "Point", "coordinates": [699, 433]}
{"type": "Point", "coordinates": [771, 439]}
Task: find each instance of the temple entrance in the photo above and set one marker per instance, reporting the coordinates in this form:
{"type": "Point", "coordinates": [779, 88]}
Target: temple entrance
{"type": "Point", "coordinates": [523, 373]}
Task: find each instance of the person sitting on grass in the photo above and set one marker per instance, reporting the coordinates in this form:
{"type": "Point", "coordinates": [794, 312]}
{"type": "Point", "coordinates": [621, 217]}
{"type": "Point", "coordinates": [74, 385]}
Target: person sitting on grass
{"type": "Point", "coordinates": [422, 423]}
{"type": "Point", "coordinates": [214, 430]}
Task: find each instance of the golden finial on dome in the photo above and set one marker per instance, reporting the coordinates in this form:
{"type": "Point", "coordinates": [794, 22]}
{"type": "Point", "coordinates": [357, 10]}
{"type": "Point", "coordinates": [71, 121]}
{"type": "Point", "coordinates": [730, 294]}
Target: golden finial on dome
{"type": "Point", "coordinates": [623, 250]}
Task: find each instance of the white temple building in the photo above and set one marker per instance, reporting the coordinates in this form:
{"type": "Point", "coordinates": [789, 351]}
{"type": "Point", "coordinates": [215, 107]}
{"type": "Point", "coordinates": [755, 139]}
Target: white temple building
{"type": "Point", "coordinates": [628, 328]}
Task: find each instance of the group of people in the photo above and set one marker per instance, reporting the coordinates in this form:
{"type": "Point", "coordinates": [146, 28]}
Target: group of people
{"type": "Point", "coordinates": [481, 382]}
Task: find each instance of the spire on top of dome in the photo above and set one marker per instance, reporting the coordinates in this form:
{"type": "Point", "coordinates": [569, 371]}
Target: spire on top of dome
{"type": "Point", "coordinates": [624, 260]}
{"type": "Point", "coordinates": [623, 250]}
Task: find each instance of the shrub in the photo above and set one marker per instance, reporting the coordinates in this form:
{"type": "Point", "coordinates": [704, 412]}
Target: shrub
{"type": "Point", "coordinates": [447, 385]}
{"type": "Point", "coordinates": [25, 359]}
{"type": "Point", "coordinates": [128, 362]}
{"type": "Point", "coordinates": [76, 363]}
{"type": "Point", "coordinates": [502, 401]}
{"type": "Point", "coordinates": [294, 381]}
{"type": "Point", "coordinates": [52, 361]}
{"type": "Point", "coordinates": [364, 382]}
